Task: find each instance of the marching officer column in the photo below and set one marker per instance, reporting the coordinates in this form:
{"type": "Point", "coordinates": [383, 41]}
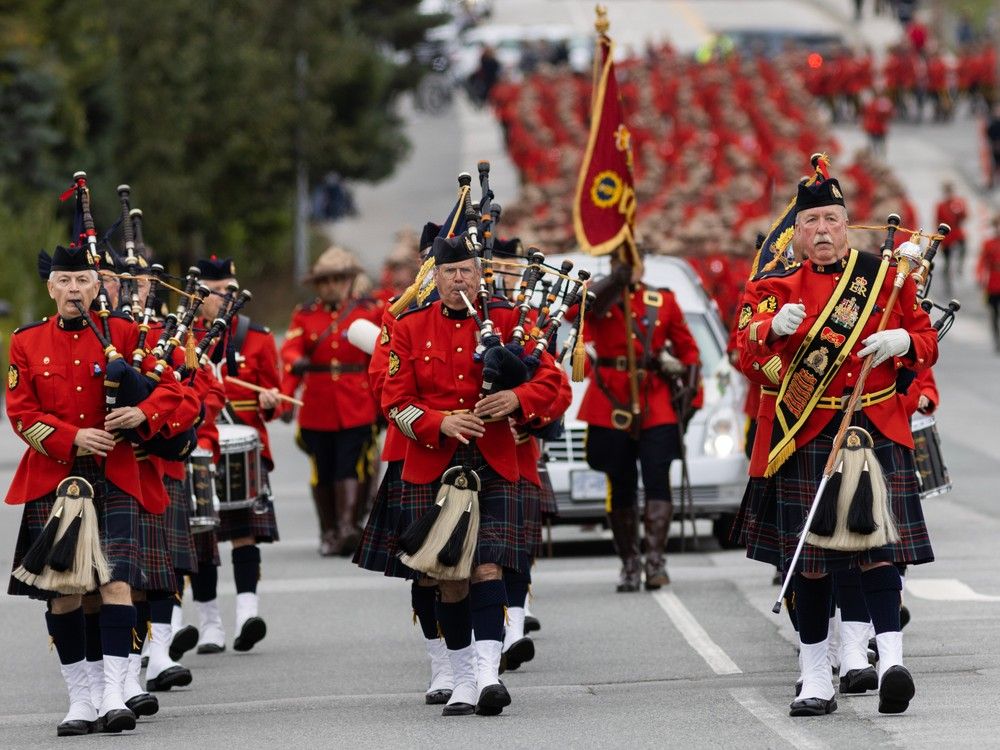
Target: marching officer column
{"type": "Point", "coordinates": [336, 419]}
{"type": "Point", "coordinates": [249, 353]}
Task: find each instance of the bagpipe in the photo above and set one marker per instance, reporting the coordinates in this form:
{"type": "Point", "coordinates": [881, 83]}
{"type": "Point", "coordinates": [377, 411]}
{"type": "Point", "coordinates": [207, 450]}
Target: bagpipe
{"type": "Point", "coordinates": [851, 509]}
{"type": "Point", "coordinates": [442, 542]}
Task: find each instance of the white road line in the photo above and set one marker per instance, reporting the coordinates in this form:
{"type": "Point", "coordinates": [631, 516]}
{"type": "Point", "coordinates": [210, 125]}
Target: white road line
{"type": "Point", "coordinates": [777, 721]}
{"type": "Point", "coordinates": [946, 590]}
{"type": "Point", "coordinates": [695, 634]}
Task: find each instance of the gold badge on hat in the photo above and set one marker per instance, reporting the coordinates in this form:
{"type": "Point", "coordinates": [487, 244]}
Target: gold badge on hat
{"type": "Point", "coordinates": [393, 363]}
{"type": "Point", "coordinates": [836, 192]}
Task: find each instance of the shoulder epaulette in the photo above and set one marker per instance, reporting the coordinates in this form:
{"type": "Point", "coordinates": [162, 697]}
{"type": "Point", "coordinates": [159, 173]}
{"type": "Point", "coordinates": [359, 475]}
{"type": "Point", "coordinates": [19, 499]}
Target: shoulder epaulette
{"type": "Point", "coordinates": [779, 272]}
{"type": "Point", "coordinates": [411, 310]}
{"type": "Point", "coordinates": [259, 328]}
{"type": "Point", "coordinates": [33, 324]}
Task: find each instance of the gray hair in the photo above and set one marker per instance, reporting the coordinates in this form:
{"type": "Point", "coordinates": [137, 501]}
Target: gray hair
{"type": "Point", "coordinates": [94, 275]}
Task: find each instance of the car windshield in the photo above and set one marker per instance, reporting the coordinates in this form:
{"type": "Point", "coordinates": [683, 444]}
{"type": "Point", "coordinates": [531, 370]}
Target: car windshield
{"type": "Point", "coordinates": [708, 344]}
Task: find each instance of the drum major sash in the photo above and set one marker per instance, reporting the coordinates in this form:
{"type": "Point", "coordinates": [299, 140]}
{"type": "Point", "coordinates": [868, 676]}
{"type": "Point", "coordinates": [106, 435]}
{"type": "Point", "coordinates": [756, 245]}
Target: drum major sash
{"type": "Point", "coordinates": [822, 352]}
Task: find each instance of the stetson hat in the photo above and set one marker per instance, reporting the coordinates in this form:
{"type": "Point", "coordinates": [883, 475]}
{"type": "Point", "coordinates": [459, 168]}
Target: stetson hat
{"type": "Point", "coordinates": [335, 261]}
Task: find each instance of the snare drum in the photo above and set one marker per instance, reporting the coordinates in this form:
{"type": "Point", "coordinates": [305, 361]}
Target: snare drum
{"type": "Point", "coordinates": [201, 487]}
{"type": "Point", "coordinates": [931, 471]}
{"type": "Point", "coordinates": [239, 479]}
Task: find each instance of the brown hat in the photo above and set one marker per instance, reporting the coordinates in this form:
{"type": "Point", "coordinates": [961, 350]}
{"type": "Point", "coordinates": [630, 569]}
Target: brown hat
{"type": "Point", "coordinates": [403, 255]}
{"type": "Point", "coordinates": [335, 261]}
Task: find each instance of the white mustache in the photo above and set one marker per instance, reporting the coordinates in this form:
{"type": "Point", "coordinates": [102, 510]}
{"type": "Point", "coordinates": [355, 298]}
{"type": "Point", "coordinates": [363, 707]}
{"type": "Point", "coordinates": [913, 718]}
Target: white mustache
{"type": "Point", "coordinates": [822, 238]}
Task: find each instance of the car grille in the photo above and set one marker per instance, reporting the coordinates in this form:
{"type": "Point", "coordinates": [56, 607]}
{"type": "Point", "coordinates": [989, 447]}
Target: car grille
{"type": "Point", "coordinates": [568, 448]}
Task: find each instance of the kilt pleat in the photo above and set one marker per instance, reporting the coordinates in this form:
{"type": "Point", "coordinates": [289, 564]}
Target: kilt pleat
{"type": "Point", "coordinates": [531, 500]}
{"type": "Point", "coordinates": [377, 548]}
{"type": "Point", "coordinates": [117, 518]}
{"type": "Point", "coordinates": [178, 527]}
{"type": "Point", "coordinates": [774, 511]}
{"type": "Point", "coordinates": [157, 566]}
{"type": "Point", "coordinates": [235, 524]}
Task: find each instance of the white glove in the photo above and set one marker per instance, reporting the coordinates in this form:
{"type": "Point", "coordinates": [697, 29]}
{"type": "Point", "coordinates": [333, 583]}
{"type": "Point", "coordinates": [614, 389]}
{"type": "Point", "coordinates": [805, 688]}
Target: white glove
{"type": "Point", "coordinates": [894, 342]}
{"type": "Point", "coordinates": [670, 364]}
{"type": "Point", "coordinates": [788, 319]}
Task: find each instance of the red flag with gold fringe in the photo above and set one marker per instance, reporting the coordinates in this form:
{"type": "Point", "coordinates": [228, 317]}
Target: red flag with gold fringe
{"type": "Point", "coordinates": [604, 204]}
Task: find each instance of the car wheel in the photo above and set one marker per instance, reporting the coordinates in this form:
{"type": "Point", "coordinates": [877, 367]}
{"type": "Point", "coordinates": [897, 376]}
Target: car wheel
{"type": "Point", "coordinates": [721, 527]}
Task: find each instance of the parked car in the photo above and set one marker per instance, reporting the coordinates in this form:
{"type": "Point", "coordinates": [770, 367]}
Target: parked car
{"type": "Point", "coordinates": [714, 439]}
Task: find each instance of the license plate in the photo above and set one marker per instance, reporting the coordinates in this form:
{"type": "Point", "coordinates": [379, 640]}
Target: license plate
{"type": "Point", "coordinates": [587, 485]}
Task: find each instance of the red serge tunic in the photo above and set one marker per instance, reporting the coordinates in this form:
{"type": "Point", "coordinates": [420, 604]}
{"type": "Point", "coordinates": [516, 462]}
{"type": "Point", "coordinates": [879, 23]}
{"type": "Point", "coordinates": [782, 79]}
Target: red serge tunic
{"type": "Point", "coordinates": [339, 397]}
{"type": "Point", "coordinates": [431, 372]}
{"type": "Point", "coordinates": [607, 333]}
{"type": "Point", "coordinates": [55, 388]}
{"type": "Point", "coordinates": [813, 286]}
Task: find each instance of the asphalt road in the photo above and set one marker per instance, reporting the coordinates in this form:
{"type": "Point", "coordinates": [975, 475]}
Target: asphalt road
{"type": "Point", "coordinates": [702, 664]}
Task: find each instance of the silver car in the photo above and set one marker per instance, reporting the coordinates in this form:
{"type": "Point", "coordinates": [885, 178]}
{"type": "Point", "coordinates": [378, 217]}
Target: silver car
{"type": "Point", "coordinates": [714, 441]}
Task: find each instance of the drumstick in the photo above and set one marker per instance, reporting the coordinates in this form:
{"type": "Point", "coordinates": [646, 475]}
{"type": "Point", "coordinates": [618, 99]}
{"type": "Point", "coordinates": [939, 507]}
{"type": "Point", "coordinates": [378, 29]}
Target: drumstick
{"type": "Point", "coordinates": [258, 389]}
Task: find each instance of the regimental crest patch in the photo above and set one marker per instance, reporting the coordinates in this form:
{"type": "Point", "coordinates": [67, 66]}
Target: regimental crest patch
{"type": "Point", "coordinates": [846, 313]}
{"type": "Point", "coordinates": [818, 360]}
{"type": "Point", "coordinates": [746, 313]}
{"type": "Point", "coordinates": [768, 305]}
{"type": "Point", "coordinates": [383, 339]}
{"type": "Point", "coordinates": [13, 377]}
{"type": "Point", "coordinates": [859, 286]}
{"type": "Point", "coordinates": [393, 363]}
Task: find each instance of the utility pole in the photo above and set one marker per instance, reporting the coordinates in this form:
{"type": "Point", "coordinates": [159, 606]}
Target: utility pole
{"type": "Point", "coordinates": [301, 260]}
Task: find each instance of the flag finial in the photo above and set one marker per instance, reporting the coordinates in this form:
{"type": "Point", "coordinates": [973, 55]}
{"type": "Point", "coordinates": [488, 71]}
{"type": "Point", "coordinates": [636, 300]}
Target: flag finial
{"type": "Point", "coordinates": [601, 23]}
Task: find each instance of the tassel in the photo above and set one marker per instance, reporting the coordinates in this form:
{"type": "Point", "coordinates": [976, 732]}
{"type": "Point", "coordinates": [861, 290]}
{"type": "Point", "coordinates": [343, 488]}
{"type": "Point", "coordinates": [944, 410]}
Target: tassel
{"type": "Point", "coordinates": [579, 354]}
{"type": "Point", "coordinates": [64, 552]}
{"type": "Point", "coordinates": [452, 550]}
{"type": "Point", "coordinates": [861, 517]}
{"type": "Point", "coordinates": [407, 297]}
{"type": "Point", "coordinates": [38, 553]}
{"type": "Point", "coordinates": [415, 536]}
{"type": "Point", "coordinates": [825, 521]}
{"type": "Point", "coordinates": [190, 353]}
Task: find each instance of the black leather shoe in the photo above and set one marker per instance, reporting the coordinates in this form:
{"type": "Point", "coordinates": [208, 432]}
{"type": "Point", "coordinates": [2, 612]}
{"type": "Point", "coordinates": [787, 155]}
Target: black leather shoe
{"type": "Point", "coordinates": [872, 649]}
{"type": "Point", "coordinates": [252, 632]}
{"type": "Point", "coordinates": [492, 700]}
{"type": "Point", "coordinates": [210, 648]}
{"type": "Point", "coordinates": [143, 704]}
{"type": "Point", "coordinates": [183, 641]}
{"type": "Point", "coordinates": [96, 726]}
{"type": "Point", "coordinates": [118, 720]}
{"type": "Point", "coordinates": [73, 728]}
{"type": "Point", "coordinates": [812, 707]}
{"type": "Point", "coordinates": [896, 690]}
{"type": "Point", "coordinates": [520, 651]}
{"type": "Point", "coordinates": [169, 678]}
{"type": "Point", "coordinates": [859, 681]}
{"type": "Point", "coordinates": [531, 624]}
{"type": "Point", "coordinates": [437, 697]}
{"type": "Point", "coordinates": [458, 709]}
{"type": "Point", "coordinates": [904, 616]}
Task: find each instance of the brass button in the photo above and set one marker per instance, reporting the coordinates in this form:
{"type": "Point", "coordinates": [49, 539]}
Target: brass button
{"type": "Point", "coordinates": [81, 416]}
{"type": "Point", "coordinates": [76, 361]}
{"type": "Point", "coordinates": [79, 388]}
{"type": "Point", "coordinates": [45, 360]}
{"type": "Point", "coordinates": [459, 349]}
{"type": "Point", "coordinates": [458, 325]}
{"type": "Point", "coordinates": [46, 373]}
{"type": "Point", "coordinates": [461, 377]}
{"type": "Point", "coordinates": [427, 359]}
{"type": "Point", "coordinates": [850, 374]}
{"type": "Point", "coordinates": [461, 401]}
{"type": "Point", "coordinates": [76, 335]}
{"type": "Point", "coordinates": [335, 345]}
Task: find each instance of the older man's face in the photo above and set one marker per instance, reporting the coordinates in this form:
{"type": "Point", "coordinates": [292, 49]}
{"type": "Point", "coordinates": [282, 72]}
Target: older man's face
{"type": "Point", "coordinates": [70, 287]}
{"type": "Point", "coordinates": [454, 279]}
{"type": "Point", "coordinates": [821, 234]}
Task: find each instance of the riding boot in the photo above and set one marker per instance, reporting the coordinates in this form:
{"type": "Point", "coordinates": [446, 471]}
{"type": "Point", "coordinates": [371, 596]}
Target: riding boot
{"type": "Point", "coordinates": [625, 530]}
{"type": "Point", "coordinates": [323, 499]}
{"type": "Point", "coordinates": [657, 522]}
{"type": "Point", "coordinates": [346, 505]}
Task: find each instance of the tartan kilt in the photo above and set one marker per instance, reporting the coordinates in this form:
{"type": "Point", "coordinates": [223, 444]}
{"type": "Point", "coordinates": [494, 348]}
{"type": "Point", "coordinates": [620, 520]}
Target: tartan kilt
{"type": "Point", "coordinates": [501, 538]}
{"type": "Point", "coordinates": [784, 503]}
{"type": "Point", "coordinates": [547, 499]}
{"type": "Point", "coordinates": [206, 548]}
{"type": "Point", "coordinates": [235, 524]}
{"type": "Point", "coordinates": [531, 500]}
{"type": "Point", "coordinates": [178, 527]}
{"type": "Point", "coordinates": [117, 518]}
{"type": "Point", "coordinates": [157, 566]}
{"type": "Point", "coordinates": [380, 533]}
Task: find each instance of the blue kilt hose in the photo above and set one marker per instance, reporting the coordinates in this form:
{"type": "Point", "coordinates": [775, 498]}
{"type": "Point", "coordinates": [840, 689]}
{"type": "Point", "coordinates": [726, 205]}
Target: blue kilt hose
{"type": "Point", "coordinates": [531, 500]}
{"type": "Point", "coordinates": [117, 519]}
{"type": "Point", "coordinates": [377, 548]}
{"type": "Point", "coordinates": [157, 567]}
{"type": "Point", "coordinates": [771, 529]}
{"type": "Point", "coordinates": [501, 538]}
{"type": "Point", "coordinates": [236, 524]}
{"type": "Point", "coordinates": [178, 527]}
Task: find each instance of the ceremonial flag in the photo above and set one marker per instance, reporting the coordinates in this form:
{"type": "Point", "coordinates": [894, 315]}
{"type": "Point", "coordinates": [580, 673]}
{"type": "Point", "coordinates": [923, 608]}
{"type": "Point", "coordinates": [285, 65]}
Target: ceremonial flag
{"type": "Point", "coordinates": [776, 248]}
{"type": "Point", "coordinates": [604, 204]}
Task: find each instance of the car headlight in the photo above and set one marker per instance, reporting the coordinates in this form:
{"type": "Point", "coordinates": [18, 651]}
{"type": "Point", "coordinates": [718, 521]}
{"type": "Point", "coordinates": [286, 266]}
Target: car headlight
{"type": "Point", "coordinates": [722, 433]}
